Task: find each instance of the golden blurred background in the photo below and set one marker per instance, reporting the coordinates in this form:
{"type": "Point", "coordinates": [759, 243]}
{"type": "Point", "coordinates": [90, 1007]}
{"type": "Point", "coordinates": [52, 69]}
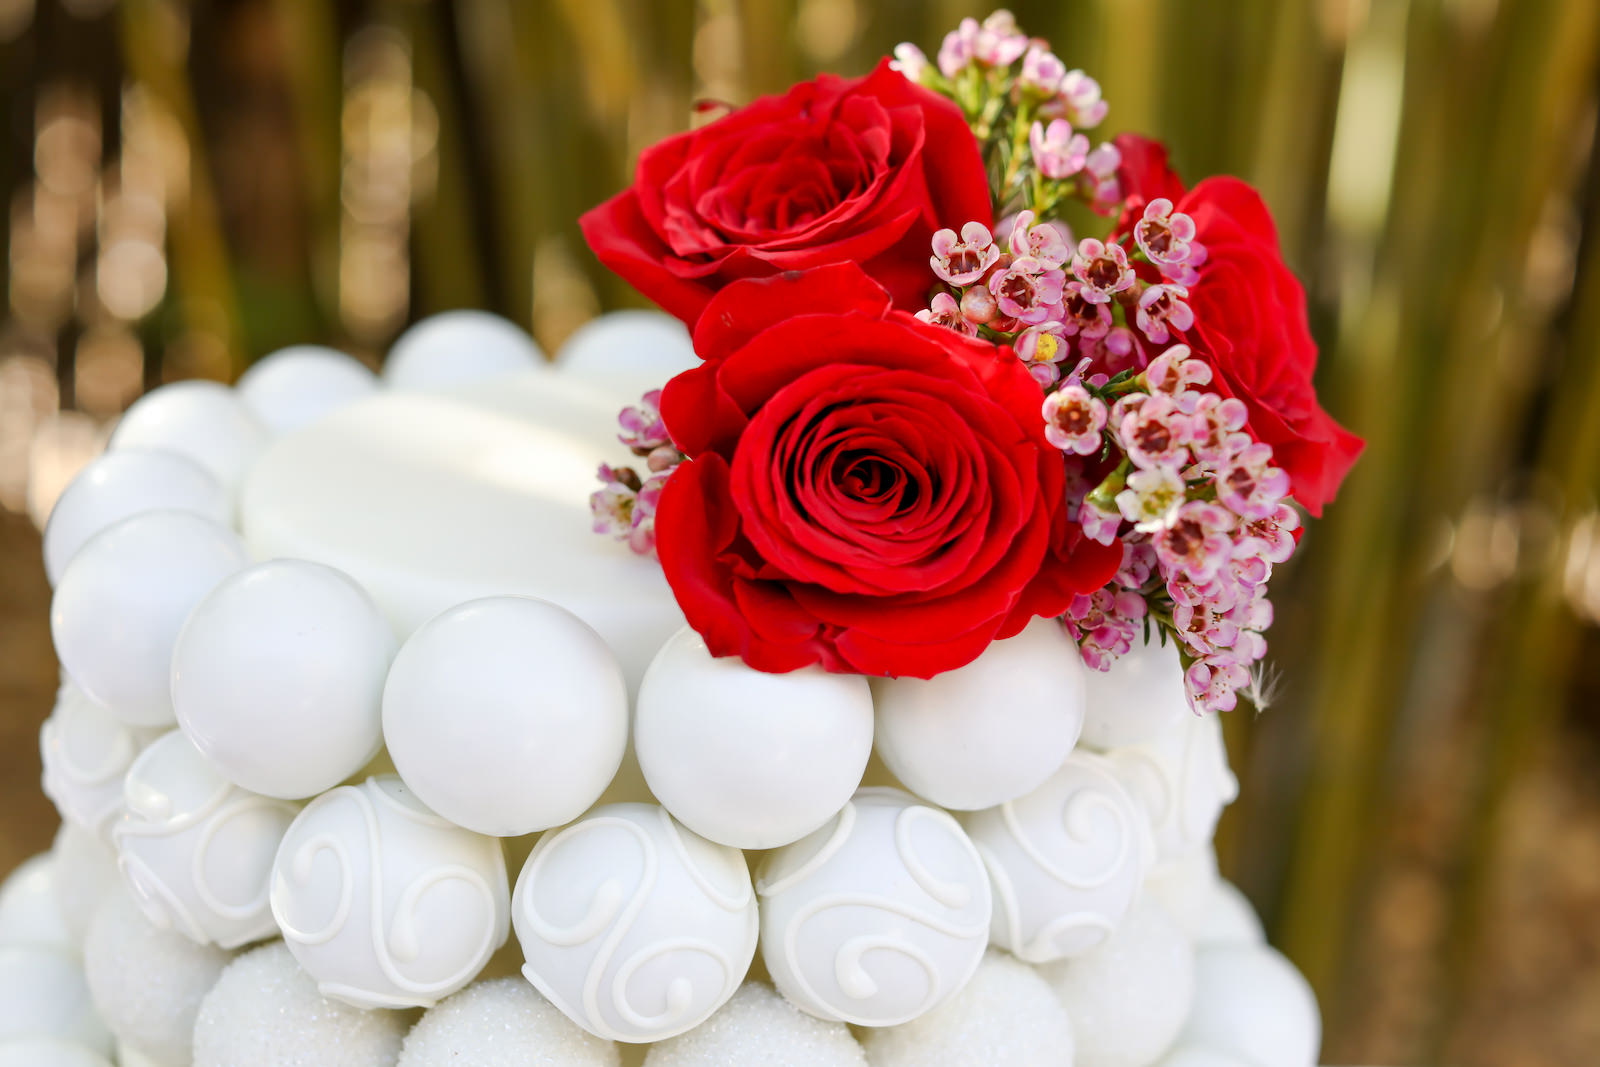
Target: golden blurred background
{"type": "Point", "coordinates": [190, 185]}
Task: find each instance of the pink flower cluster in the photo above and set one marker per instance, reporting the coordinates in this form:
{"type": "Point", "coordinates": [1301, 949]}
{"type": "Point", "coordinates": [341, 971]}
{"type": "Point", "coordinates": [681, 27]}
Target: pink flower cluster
{"type": "Point", "coordinates": [625, 504]}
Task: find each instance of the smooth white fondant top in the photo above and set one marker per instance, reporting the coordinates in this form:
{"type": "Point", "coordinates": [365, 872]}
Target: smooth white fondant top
{"type": "Point", "coordinates": [429, 500]}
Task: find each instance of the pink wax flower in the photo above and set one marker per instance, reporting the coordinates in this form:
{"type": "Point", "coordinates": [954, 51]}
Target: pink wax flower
{"type": "Point", "coordinates": [1249, 484]}
{"type": "Point", "coordinates": [1217, 423]}
{"type": "Point", "coordinates": [998, 42]}
{"type": "Point", "coordinates": [1044, 241]}
{"type": "Point", "coordinates": [642, 427]}
{"type": "Point", "coordinates": [1213, 683]}
{"type": "Point", "coordinates": [1152, 498]}
{"type": "Point", "coordinates": [963, 260]}
{"type": "Point", "coordinates": [1156, 433]}
{"type": "Point", "coordinates": [1078, 101]}
{"type": "Point", "coordinates": [1042, 348]}
{"type": "Point", "coordinates": [612, 504]}
{"type": "Point", "coordinates": [1275, 532]}
{"type": "Point", "coordinates": [1073, 420]}
{"type": "Point", "coordinates": [1162, 309]}
{"type": "Point", "coordinates": [1098, 524]}
{"type": "Point", "coordinates": [1027, 291]}
{"type": "Point", "coordinates": [957, 50]}
{"type": "Point", "coordinates": [945, 311]}
{"type": "Point", "coordinates": [1057, 151]}
{"type": "Point", "coordinates": [642, 536]}
{"type": "Point", "coordinates": [1196, 544]}
{"type": "Point", "coordinates": [1105, 624]}
{"type": "Point", "coordinates": [1102, 269]}
{"type": "Point", "coordinates": [1203, 629]}
{"type": "Point", "coordinates": [1138, 564]}
{"type": "Point", "coordinates": [1173, 372]}
{"type": "Point", "coordinates": [1042, 71]}
{"type": "Point", "coordinates": [910, 61]}
{"type": "Point", "coordinates": [1081, 315]}
{"type": "Point", "coordinates": [1164, 235]}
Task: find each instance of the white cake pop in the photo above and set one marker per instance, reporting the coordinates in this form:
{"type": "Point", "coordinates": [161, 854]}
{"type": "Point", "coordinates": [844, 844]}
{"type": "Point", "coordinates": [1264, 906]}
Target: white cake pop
{"type": "Point", "coordinates": [506, 715]}
{"type": "Point", "coordinates": [265, 1012]}
{"type": "Point", "coordinates": [631, 351]}
{"type": "Point", "coordinates": [1006, 1015]}
{"type": "Point", "coordinates": [85, 869]}
{"type": "Point", "coordinates": [29, 914]}
{"type": "Point", "coordinates": [879, 916]}
{"type": "Point", "coordinates": [1181, 777]}
{"type": "Point", "coordinates": [759, 1027]}
{"type": "Point", "coordinates": [118, 485]}
{"type": "Point", "coordinates": [1128, 998]}
{"type": "Point", "coordinates": [1228, 919]}
{"type": "Point", "coordinates": [86, 750]}
{"type": "Point", "coordinates": [296, 386]}
{"type": "Point", "coordinates": [196, 850]}
{"type": "Point", "coordinates": [43, 994]}
{"type": "Point", "coordinates": [119, 606]}
{"type": "Point", "coordinates": [50, 1052]}
{"type": "Point", "coordinates": [502, 1022]}
{"type": "Point", "coordinates": [278, 677]}
{"type": "Point", "coordinates": [147, 983]}
{"type": "Point", "coordinates": [636, 928]}
{"type": "Point", "coordinates": [1208, 908]}
{"type": "Point", "coordinates": [202, 420]}
{"type": "Point", "coordinates": [384, 903]}
{"type": "Point", "coordinates": [1252, 1004]}
{"type": "Point", "coordinates": [456, 347]}
{"type": "Point", "coordinates": [995, 729]}
{"type": "Point", "coordinates": [1065, 861]}
{"type": "Point", "coordinates": [1141, 696]}
{"type": "Point", "coordinates": [1188, 1056]}
{"type": "Point", "coordinates": [128, 1056]}
{"type": "Point", "coordinates": [745, 758]}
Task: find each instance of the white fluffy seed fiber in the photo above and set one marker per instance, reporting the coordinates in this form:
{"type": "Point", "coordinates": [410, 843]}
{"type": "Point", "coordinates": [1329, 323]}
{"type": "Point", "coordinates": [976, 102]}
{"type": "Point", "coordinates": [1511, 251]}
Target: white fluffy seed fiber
{"type": "Point", "coordinates": [265, 1012]}
{"type": "Point", "coordinates": [502, 1022]}
{"type": "Point", "coordinates": [1006, 1014]}
{"type": "Point", "coordinates": [758, 1028]}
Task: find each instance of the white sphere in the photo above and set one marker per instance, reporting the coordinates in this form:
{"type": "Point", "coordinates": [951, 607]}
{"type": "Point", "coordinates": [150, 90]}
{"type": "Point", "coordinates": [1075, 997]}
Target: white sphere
{"type": "Point", "coordinates": [1184, 886]}
{"type": "Point", "coordinates": [43, 994]}
{"type": "Point", "coordinates": [121, 602]}
{"type": "Point", "coordinates": [745, 758]}
{"type": "Point", "coordinates": [278, 677]}
{"type": "Point", "coordinates": [1065, 861]}
{"type": "Point", "coordinates": [506, 715]}
{"type": "Point", "coordinates": [196, 850]}
{"type": "Point", "coordinates": [1006, 1015]}
{"type": "Point", "coordinates": [1142, 695]}
{"type": "Point", "coordinates": [29, 914]}
{"type": "Point", "coordinates": [86, 750]}
{"type": "Point", "coordinates": [265, 1012]}
{"type": "Point", "coordinates": [1251, 1003]}
{"type": "Point", "coordinates": [502, 1022]}
{"type": "Point", "coordinates": [879, 916]}
{"type": "Point", "coordinates": [1128, 998]}
{"type": "Point", "coordinates": [384, 903]}
{"type": "Point", "coordinates": [1228, 919]}
{"type": "Point", "coordinates": [118, 485]}
{"type": "Point", "coordinates": [993, 730]}
{"type": "Point", "coordinates": [633, 350]}
{"type": "Point", "coordinates": [636, 928]}
{"type": "Point", "coordinates": [147, 982]}
{"type": "Point", "coordinates": [759, 1027]}
{"type": "Point", "coordinates": [1188, 1056]}
{"type": "Point", "coordinates": [1181, 777]}
{"type": "Point", "coordinates": [457, 347]}
{"type": "Point", "coordinates": [128, 1056]}
{"type": "Point", "coordinates": [50, 1052]}
{"type": "Point", "coordinates": [202, 420]}
{"type": "Point", "coordinates": [296, 386]}
{"type": "Point", "coordinates": [85, 869]}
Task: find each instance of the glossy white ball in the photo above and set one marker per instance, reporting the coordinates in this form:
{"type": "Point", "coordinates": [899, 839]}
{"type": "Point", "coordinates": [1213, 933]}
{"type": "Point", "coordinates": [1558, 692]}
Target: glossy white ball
{"type": "Point", "coordinates": [86, 751]}
{"type": "Point", "coordinates": [1228, 919]}
{"type": "Point", "coordinates": [458, 347]}
{"type": "Point", "coordinates": [147, 982]}
{"type": "Point", "coordinates": [988, 732]}
{"type": "Point", "coordinates": [1181, 777]}
{"type": "Point", "coordinates": [196, 850]}
{"type": "Point", "coordinates": [204, 421]}
{"type": "Point", "coordinates": [118, 485]}
{"type": "Point", "coordinates": [506, 715]}
{"type": "Point", "coordinates": [1065, 861]}
{"type": "Point", "coordinates": [265, 1012]}
{"type": "Point", "coordinates": [502, 1022]}
{"type": "Point", "coordinates": [1252, 1003]}
{"type": "Point", "coordinates": [51, 1052]}
{"type": "Point", "coordinates": [877, 917]}
{"type": "Point", "coordinates": [1188, 1056]}
{"type": "Point", "coordinates": [121, 602]}
{"type": "Point", "coordinates": [384, 903]}
{"type": "Point", "coordinates": [757, 1026]}
{"type": "Point", "coordinates": [296, 386]}
{"type": "Point", "coordinates": [1129, 998]}
{"type": "Point", "coordinates": [632, 351]}
{"type": "Point", "coordinates": [745, 758]}
{"type": "Point", "coordinates": [1141, 696]}
{"type": "Point", "coordinates": [278, 677]}
{"type": "Point", "coordinates": [29, 914]}
{"type": "Point", "coordinates": [636, 928]}
{"type": "Point", "coordinates": [43, 994]}
{"type": "Point", "coordinates": [85, 870]}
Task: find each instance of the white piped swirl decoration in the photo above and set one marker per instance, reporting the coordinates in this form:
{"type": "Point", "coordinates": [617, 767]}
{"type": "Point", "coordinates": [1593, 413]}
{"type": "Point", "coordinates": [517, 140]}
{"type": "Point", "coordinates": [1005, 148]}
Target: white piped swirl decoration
{"type": "Point", "coordinates": [1182, 779]}
{"type": "Point", "coordinates": [85, 751]}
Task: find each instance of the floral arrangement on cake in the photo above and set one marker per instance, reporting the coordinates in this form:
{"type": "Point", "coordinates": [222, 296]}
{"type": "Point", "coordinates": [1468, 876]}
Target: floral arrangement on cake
{"type": "Point", "coordinates": [962, 369]}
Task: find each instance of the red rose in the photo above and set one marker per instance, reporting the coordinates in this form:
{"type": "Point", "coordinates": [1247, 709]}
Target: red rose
{"type": "Point", "coordinates": [864, 491]}
{"type": "Point", "coordinates": [860, 170]}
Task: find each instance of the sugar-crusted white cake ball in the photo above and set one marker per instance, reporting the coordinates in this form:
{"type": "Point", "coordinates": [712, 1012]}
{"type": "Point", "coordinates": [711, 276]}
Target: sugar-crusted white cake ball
{"type": "Point", "coordinates": [147, 982]}
{"type": "Point", "coordinates": [296, 386]}
{"type": "Point", "coordinates": [1128, 998]}
{"type": "Point", "coordinates": [993, 730]}
{"type": "Point", "coordinates": [265, 1012]}
{"type": "Point", "coordinates": [1181, 777]}
{"type": "Point", "coordinates": [50, 1052]}
{"type": "Point", "coordinates": [457, 347]}
{"type": "Point", "coordinates": [506, 715]}
{"type": "Point", "coordinates": [758, 1028]}
{"type": "Point", "coordinates": [118, 485]}
{"type": "Point", "coordinates": [384, 903]}
{"type": "Point", "coordinates": [86, 751]}
{"type": "Point", "coordinates": [196, 850]}
{"type": "Point", "coordinates": [85, 870]}
{"type": "Point", "coordinates": [502, 1022]}
{"type": "Point", "coordinates": [43, 994]}
{"type": "Point", "coordinates": [745, 758]}
{"type": "Point", "coordinates": [278, 677]}
{"type": "Point", "coordinates": [1141, 696]}
{"type": "Point", "coordinates": [120, 603]}
{"type": "Point", "coordinates": [877, 917]}
{"type": "Point", "coordinates": [642, 349]}
{"type": "Point", "coordinates": [1006, 1015]}
{"type": "Point", "coordinates": [29, 914]}
{"type": "Point", "coordinates": [1065, 861]}
{"type": "Point", "coordinates": [204, 421]}
{"type": "Point", "coordinates": [1251, 1003]}
{"type": "Point", "coordinates": [635, 927]}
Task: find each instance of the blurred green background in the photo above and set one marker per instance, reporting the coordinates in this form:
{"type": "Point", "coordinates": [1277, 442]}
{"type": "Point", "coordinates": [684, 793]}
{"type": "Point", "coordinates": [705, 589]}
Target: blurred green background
{"type": "Point", "coordinates": [190, 185]}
